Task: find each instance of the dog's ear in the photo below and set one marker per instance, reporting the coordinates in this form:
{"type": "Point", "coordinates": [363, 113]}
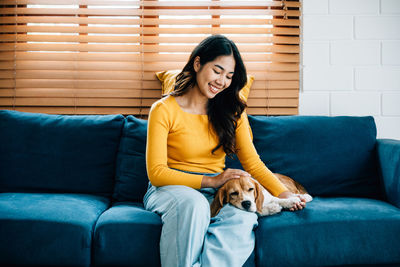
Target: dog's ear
{"type": "Point", "coordinates": [219, 201]}
{"type": "Point", "coordinates": [259, 196]}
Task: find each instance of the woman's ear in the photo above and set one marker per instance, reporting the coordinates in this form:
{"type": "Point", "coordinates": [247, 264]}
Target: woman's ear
{"type": "Point", "coordinates": [218, 202]}
{"type": "Point", "coordinates": [259, 196]}
{"type": "Point", "coordinates": [196, 64]}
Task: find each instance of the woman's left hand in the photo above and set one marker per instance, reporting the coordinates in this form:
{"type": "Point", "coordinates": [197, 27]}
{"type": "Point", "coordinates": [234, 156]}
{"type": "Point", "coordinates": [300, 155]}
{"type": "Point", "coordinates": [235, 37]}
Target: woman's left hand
{"type": "Point", "coordinates": [297, 206]}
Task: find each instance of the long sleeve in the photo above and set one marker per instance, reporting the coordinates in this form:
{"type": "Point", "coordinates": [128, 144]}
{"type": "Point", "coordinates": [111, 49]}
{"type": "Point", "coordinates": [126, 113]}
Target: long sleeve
{"type": "Point", "coordinates": [159, 125]}
{"type": "Point", "coordinates": [251, 161]}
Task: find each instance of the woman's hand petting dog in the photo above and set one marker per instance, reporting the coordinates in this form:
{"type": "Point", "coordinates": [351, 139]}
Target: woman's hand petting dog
{"type": "Point", "coordinates": [222, 178]}
{"type": "Point", "coordinates": [297, 206]}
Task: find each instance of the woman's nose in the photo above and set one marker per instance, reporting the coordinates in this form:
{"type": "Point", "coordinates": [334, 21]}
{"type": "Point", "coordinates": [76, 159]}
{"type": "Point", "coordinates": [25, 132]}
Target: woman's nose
{"type": "Point", "coordinates": [220, 80]}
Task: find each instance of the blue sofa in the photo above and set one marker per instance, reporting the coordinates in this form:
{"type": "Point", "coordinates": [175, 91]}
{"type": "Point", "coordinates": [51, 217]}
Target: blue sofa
{"type": "Point", "coordinates": [71, 190]}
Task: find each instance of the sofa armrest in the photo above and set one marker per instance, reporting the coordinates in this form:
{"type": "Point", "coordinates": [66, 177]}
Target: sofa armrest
{"type": "Point", "coordinates": [388, 151]}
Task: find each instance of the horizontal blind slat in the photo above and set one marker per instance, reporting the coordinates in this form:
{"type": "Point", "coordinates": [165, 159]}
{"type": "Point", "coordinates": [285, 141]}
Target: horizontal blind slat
{"type": "Point", "coordinates": [123, 102]}
{"type": "Point", "coordinates": [138, 48]}
{"type": "Point", "coordinates": [140, 39]}
{"type": "Point", "coordinates": [147, 21]}
{"type": "Point", "coordinates": [125, 75]}
{"type": "Point", "coordinates": [83, 110]}
{"type": "Point", "coordinates": [149, 30]}
{"type": "Point", "coordinates": [101, 58]}
{"type": "Point", "coordinates": [131, 93]}
{"type": "Point", "coordinates": [134, 66]}
{"type": "Point", "coordinates": [112, 84]}
{"type": "Point", "coordinates": [152, 4]}
{"type": "Point", "coordinates": [146, 12]}
{"type": "Point", "coordinates": [147, 57]}
{"type": "Point", "coordinates": [271, 111]}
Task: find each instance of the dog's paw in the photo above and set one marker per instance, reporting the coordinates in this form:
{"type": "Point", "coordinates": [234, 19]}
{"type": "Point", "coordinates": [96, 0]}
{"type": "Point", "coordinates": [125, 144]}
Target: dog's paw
{"type": "Point", "coordinates": [275, 208]}
{"type": "Point", "coordinates": [307, 197]}
{"type": "Point", "coordinates": [270, 209]}
{"type": "Point", "coordinates": [288, 203]}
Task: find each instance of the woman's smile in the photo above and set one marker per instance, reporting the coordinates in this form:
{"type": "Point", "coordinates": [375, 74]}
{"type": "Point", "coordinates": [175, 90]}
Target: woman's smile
{"type": "Point", "coordinates": [214, 89]}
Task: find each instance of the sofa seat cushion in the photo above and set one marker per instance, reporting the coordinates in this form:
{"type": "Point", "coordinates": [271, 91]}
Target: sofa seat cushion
{"type": "Point", "coordinates": [48, 229]}
{"type": "Point", "coordinates": [127, 235]}
{"type": "Point", "coordinates": [331, 231]}
{"type": "Point", "coordinates": [70, 154]}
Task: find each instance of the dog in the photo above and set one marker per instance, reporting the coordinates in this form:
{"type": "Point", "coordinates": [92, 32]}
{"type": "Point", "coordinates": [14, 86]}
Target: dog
{"type": "Point", "coordinates": [248, 194]}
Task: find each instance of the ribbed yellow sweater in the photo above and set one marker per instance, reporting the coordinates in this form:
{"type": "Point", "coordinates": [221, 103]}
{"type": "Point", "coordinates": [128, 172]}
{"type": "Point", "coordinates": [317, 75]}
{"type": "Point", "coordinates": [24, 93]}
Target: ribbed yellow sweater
{"type": "Point", "coordinates": [180, 140]}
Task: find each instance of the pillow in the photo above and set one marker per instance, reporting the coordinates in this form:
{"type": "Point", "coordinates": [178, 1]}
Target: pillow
{"type": "Point", "coordinates": [330, 156]}
{"type": "Point", "coordinates": [131, 175]}
{"type": "Point", "coordinates": [167, 79]}
{"type": "Point", "coordinates": [58, 153]}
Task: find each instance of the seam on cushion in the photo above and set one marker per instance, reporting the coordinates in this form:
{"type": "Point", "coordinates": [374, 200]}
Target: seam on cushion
{"type": "Point", "coordinates": [97, 245]}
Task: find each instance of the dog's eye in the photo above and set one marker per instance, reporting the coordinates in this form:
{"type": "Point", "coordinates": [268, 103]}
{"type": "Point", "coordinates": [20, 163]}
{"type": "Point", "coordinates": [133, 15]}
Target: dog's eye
{"type": "Point", "coordinates": [234, 194]}
{"type": "Point", "coordinates": [251, 189]}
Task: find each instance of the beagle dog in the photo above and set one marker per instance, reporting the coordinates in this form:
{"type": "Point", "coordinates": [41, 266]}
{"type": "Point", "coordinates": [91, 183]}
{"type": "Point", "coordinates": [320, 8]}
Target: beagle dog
{"type": "Point", "coordinates": [248, 194]}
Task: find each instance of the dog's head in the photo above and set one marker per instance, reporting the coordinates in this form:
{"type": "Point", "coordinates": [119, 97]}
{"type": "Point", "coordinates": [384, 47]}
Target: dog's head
{"type": "Point", "coordinates": [243, 193]}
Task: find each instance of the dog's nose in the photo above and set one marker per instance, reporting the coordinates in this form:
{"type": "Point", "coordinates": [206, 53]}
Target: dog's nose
{"type": "Point", "coordinates": [246, 204]}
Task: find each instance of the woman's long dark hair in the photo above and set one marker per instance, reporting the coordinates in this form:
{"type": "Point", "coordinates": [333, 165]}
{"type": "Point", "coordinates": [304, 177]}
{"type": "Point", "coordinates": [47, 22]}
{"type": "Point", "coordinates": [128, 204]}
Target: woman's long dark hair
{"type": "Point", "coordinates": [226, 107]}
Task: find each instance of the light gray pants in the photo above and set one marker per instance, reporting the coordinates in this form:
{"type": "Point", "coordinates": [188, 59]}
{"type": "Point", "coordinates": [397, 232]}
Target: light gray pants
{"type": "Point", "coordinates": [189, 237]}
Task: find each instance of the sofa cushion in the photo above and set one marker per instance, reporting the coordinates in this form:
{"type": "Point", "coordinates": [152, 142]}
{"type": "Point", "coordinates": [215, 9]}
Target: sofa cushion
{"type": "Point", "coordinates": [58, 153]}
{"type": "Point", "coordinates": [127, 234]}
{"type": "Point", "coordinates": [328, 155]}
{"type": "Point", "coordinates": [131, 174]}
{"type": "Point", "coordinates": [330, 232]}
{"type": "Point", "coordinates": [48, 229]}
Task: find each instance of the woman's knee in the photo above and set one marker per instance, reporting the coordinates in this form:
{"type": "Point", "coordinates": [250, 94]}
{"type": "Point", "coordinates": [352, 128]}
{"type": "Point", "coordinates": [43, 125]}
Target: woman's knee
{"type": "Point", "coordinates": [189, 201]}
{"type": "Point", "coordinates": [194, 201]}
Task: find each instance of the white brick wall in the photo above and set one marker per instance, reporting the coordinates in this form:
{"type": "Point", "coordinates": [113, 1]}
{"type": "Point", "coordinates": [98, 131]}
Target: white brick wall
{"type": "Point", "coordinates": [351, 61]}
{"type": "Point", "coordinates": [391, 52]}
{"type": "Point", "coordinates": [339, 27]}
{"type": "Point", "coordinates": [354, 52]}
{"type": "Point", "coordinates": [377, 78]}
{"type": "Point", "coordinates": [318, 78]}
{"type": "Point", "coordinates": [390, 104]}
{"type": "Point", "coordinates": [390, 6]}
{"type": "Point", "coordinates": [381, 27]}
{"type": "Point", "coordinates": [353, 7]}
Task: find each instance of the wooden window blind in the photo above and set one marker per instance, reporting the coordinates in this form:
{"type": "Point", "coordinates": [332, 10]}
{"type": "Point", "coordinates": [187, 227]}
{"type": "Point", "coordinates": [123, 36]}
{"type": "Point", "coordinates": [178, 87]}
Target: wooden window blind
{"type": "Point", "coordinates": [100, 56]}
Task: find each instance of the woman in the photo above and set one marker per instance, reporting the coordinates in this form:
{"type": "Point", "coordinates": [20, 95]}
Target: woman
{"type": "Point", "coordinates": [189, 134]}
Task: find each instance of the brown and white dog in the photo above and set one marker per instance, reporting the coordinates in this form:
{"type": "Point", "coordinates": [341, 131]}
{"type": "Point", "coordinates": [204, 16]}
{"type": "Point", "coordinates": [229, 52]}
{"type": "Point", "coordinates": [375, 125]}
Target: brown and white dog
{"type": "Point", "coordinates": [247, 194]}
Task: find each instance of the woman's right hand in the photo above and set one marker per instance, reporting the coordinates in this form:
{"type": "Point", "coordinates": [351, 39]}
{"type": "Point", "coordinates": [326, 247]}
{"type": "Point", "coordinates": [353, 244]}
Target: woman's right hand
{"type": "Point", "coordinates": [222, 178]}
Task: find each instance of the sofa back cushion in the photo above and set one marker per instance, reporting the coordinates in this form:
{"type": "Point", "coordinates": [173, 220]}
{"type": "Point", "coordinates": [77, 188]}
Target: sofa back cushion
{"type": "Point", "coordinates": [328, 155]}
{"type": "Point", "coordinates": [58, 153]}
{"type": "Point", "coordinates": [131, 175]}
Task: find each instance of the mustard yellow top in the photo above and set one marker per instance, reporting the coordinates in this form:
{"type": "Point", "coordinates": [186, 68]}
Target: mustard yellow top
{"type": "Point", "coordinates": [180, 140]}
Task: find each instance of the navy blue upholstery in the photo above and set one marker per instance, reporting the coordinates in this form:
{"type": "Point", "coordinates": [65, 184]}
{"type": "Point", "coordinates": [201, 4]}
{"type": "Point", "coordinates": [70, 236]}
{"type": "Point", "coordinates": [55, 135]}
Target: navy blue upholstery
{"type": "Point", "coordinates": [71, 191]}
{"type": "Point", "coordinates": [127, 235]}
{"type": "Point", "coordinates": [331, 231]}
{"type": "Point", "coordinates": [330, 156]}
{"type": "Point", "coordinates": [131, 174]}
{"type": "Point", "coordinates": [48, 229]}
{"type": "Point", "coordinates": [55, 153]}
{"type": "Point", "coordinates": [389, 159]}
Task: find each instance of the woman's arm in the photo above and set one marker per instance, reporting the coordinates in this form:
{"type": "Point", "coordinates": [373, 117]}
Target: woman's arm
{"type": "Point", "coordinates": [251, 161]}
{"type": "Point", "coordinates": [159, 173]}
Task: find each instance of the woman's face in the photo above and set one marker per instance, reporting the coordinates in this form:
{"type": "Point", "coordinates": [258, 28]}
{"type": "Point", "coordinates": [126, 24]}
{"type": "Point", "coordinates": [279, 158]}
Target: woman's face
{"type": "Point", "coordinates": [214, 76]}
